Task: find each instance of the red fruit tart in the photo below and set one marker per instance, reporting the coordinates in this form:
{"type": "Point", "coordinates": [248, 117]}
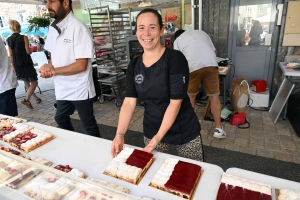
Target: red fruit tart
{"type": "Point", "coordinates": [70, 170]}
{"type": "Point", "coordinates": [130, 165]}
{"type": "Point", "coordinates": [4, 122]}
{"type": "Point", "coordinates": [236, 188]}
{"type": "Point", "coordinates": [28, 139]}
{"type": "Point", "coordinates": [11, 131]}
{"type": "Point", "coordinates": [177, 177]}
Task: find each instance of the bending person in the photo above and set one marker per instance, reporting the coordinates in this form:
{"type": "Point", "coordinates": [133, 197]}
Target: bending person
{"type": "Point", "coordinates": [199, 50]}
{"type": "Point", "coordinates": [160, 78]}
{"type": "Point", "coordinates": [19, 50]}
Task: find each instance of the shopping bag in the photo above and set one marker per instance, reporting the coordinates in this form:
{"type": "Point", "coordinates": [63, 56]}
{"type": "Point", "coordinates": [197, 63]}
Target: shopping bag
{"type": "Point", "coordinates": [239, 94]}
{"type": "Point", "coordinates": [238, 120]}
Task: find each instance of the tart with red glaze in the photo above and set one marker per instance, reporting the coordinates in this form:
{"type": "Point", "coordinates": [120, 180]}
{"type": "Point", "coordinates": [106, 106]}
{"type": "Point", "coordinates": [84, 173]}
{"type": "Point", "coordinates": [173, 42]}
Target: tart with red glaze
{"type": "Point", "coordinates": [177, 177]}
{"type": "Point", "coordinates": [130, 165]}
{"type": "Point", "coordinates": [236, 188]}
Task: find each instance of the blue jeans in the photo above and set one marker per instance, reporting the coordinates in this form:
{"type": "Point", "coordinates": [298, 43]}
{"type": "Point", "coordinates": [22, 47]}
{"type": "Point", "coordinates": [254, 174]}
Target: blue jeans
{"type": "Point", "coordinates": [85, 111]}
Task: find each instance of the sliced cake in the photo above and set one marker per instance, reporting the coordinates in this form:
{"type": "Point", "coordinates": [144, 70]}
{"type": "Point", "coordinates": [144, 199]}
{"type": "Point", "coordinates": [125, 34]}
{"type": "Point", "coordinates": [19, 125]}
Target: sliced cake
{"type": "Point", "coordinates": [39, 160]}
{"type": "Point", "coordinates": [70, 170]}
{"type": "Point", "coordinates": [286, 194]}
{"type": "Point", "coordinates": [22, 178]}
{"type": "Point", "coordinates": [11, 170]}
{"type": "Point", "coordinates": [49, 186]}
{"type": "Point", "coordinates": [177, 177]}
{"type": "Point", "coordinates": [236, 188]}
{"type": "Point", "coordinates": [130, 165]}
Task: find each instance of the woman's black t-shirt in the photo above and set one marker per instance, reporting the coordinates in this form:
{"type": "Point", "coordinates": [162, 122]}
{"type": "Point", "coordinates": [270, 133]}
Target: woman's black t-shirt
{"type": "Point", "coordinates": [166, 79]}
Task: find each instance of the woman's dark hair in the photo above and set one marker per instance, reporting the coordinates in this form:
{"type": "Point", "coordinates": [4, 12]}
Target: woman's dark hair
{"type": "Point", "coordinates": [178, 33]}
{"type": "Point", "coordinates": [155, 12]}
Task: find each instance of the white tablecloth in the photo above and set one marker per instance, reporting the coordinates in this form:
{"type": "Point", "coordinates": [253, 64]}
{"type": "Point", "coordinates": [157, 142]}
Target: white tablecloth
{"type": "Point", "coordinates": [92, 155]}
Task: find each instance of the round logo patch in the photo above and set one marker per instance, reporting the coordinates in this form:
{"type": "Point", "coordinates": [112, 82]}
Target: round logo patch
{"type": "Point", "coordinates": [139, 78]}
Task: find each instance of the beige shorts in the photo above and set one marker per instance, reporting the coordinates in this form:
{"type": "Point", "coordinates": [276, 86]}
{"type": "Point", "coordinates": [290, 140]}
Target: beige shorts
{"type": "Point", "coordinates": [208, 77]}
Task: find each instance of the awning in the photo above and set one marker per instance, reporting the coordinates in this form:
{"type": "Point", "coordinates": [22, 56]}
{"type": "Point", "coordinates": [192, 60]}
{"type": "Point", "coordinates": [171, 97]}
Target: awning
{"type": "Point", "coordinates": [35, 2]}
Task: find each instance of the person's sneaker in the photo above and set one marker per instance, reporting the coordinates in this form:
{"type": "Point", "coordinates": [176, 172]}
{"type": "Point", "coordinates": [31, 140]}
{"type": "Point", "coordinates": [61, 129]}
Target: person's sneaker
{"type": "Point", "coordinates": [55, 105]}
{"type": "Point", "coordinates": [219, 133]}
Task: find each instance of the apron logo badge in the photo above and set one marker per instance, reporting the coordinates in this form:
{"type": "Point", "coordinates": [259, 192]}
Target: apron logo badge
{"type": "Point", "coordinates": [139, 78]}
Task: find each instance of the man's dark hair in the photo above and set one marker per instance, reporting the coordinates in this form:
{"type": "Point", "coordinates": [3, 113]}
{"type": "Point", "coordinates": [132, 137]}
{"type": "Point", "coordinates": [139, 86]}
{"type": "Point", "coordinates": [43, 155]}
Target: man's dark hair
{"type": "Point", "coordinates": [178, 33]}
{"type": "Point", "coordinates": [155, 12]}
{"type": "Point", "coordinates": [70, 4]}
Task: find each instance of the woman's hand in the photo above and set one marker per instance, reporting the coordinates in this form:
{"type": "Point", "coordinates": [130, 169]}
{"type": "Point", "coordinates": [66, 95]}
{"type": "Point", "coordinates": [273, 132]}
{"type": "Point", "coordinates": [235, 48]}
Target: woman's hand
{"type": "Point", "coordinates": [152, 144]}
{"type": "Point", "coordinates": [117, 144]}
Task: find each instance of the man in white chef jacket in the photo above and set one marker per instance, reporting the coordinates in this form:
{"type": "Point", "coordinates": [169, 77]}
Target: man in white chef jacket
{"type": "Point", "coordinates": [70, 44]}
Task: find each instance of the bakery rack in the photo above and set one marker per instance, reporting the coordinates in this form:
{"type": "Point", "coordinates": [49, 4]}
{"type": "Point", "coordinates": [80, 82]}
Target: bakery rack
{"type": "Point", "coordinates": [109, 29]}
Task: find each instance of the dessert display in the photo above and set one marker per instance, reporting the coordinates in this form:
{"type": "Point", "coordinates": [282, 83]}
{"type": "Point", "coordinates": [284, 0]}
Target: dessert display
{"type": "Point", "coordinates": [17, 130]}
{"type": "Point", "coordinates": [177, 177]}
{"type": "Point", "coordinates": [233, 187]}
{"type": "Point", "coordinates": [70, 170]}
{"type": "Point", "coordinates": [49, 186]}
{"type": "Point", "coordinates": [39, 160]}
{"type": "Point", "coordinates": [129, 165]}
{"type": "Point", "coordinates": [286, 194]}
{"type": "Point", "coordinates": [22, 178]}
{"type": "Point", "coordinates": [11, 170]}
{"type": "Point", "coordinates": [110, 185]}
{"type": "Point", "coordinates": [5, 160]}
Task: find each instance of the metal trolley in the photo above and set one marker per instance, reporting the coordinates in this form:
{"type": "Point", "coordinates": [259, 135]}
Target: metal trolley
{"type": "Point", "coordinates": [109, 29]}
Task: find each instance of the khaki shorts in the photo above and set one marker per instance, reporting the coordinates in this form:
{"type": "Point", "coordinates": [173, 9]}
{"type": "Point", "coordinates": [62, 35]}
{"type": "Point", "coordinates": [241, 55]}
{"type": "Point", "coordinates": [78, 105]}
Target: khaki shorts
{"type": "Point", "coordinates": [208, 77]}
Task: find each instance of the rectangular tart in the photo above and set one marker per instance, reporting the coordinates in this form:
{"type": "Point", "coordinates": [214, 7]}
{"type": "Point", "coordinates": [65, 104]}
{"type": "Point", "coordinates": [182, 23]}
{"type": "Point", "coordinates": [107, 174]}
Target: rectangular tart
{"type": "Point", "coordinates": [177, 177]}
{"type": "Point", "coordinates": [130, 165]}
{"type": "Point", "coordinates": [233, 187]}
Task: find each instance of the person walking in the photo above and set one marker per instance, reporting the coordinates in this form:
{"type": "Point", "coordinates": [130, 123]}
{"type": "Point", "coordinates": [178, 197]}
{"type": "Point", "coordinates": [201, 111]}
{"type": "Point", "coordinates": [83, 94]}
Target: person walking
{"type": "Point", "coordinates": [8, 84]}
{"type": "Point", "coordinates": [19, 51]}
{"type": "Point", "coordinates": [70, 45]}
{"type": "Point", "coordinates": [200, 53]}
{"type": "Point", "coordinates": [159, 77]}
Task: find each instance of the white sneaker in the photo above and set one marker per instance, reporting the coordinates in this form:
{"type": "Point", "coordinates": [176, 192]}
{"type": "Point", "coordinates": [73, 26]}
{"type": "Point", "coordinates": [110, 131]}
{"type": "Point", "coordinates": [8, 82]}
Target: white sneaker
{"type": "Point", "coordinates": [219, 133]}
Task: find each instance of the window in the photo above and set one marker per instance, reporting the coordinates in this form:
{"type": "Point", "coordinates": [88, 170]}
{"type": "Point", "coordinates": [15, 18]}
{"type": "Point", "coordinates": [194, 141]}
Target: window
{"type": "Point", "coordinates": [2, 21]}
{"type": "Point", "coordinates": [22, 17]}
{"type": "Point", "coordinates": [261, 10]}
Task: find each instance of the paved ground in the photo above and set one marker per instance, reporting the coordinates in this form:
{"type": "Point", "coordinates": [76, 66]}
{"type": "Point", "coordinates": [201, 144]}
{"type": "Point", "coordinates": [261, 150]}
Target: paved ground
{"type": "Point", "coordinates": [263, 138]}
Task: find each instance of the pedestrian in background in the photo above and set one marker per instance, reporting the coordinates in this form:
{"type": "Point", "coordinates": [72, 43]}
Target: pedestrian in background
{"type": "Point", "coordinates": [19, 51]}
